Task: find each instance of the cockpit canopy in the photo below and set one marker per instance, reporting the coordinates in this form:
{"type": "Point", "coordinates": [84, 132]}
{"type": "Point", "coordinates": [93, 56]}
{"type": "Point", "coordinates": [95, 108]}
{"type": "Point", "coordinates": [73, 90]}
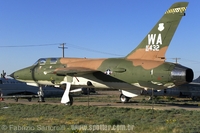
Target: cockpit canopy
{"type": "Point", "coordinates": [43, 61]}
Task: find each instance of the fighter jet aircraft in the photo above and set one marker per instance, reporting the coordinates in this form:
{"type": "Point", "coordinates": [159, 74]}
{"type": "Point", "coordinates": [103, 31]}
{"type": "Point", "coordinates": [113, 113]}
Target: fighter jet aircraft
{"type": "Point", "coordinates": [143, 67]}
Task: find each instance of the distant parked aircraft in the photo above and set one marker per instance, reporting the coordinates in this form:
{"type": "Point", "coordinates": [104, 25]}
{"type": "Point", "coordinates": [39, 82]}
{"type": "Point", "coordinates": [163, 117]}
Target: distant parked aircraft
{"type": "Point", "coordinates": [16, 89]}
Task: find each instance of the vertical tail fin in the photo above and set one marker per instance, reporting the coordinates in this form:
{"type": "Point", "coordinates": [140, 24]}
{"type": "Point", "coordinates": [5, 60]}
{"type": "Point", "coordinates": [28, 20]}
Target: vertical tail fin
{"type": "Point", "coordinates": [155, 44]}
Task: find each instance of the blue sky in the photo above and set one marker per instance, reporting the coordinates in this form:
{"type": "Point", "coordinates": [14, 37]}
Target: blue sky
{"type": "Point", "coordinates": [90, 28]}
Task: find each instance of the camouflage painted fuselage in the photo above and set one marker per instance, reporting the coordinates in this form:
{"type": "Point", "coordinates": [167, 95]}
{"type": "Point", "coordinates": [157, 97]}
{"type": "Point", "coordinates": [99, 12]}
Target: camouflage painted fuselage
{"type": "Point", "coordinates": [106, 73]}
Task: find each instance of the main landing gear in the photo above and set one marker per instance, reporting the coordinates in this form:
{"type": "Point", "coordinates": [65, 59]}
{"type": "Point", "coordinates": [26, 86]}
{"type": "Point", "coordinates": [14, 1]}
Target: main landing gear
{"type": "Point", "coordinates": [126, 96]}
{"type": "Point", "coordinates": [67, 99]}
{"type": "Point", "coordinates": [40, 95]}
{"type": "Point", "coordinates": [124, 99]}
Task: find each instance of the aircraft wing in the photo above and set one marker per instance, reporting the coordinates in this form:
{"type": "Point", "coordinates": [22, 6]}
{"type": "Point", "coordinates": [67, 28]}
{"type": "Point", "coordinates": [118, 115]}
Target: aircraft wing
{"type": "Point", "coordinates": [95, 76]}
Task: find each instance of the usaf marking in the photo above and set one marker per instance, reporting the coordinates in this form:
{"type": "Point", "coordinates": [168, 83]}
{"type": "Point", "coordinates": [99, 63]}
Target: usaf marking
{"type": "Point", "coordinates": [155, 40]}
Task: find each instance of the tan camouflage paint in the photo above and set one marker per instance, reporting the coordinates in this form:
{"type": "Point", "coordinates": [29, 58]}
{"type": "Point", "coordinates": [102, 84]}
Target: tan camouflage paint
{"type": "Point", "coordinates": [85, 63]}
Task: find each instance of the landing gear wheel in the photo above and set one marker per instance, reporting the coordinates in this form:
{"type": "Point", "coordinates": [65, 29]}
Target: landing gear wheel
{"type": "Point", "coordinates": [40, 95]}
{"type": "Point", "coordinates": [41, 99]}
{"type": "Point", "coordinates": [70, 101]}
{"type": "Point", "coordinates": [16, 99]}
{"type": "Point", "coordinates": [29, 99]}
{"type": "Point", "coordinates": [124, 99]}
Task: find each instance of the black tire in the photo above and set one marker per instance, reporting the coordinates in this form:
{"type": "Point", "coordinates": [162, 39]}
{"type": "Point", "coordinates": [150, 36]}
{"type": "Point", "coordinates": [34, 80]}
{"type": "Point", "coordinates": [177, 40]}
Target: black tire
{"type": "Point", "coordinates": [70, 101]}
{"type": "Point", "coordinates": [29, 99]}
{"type": "Point", "coordinates": [16, 99]}
{"type": "Point", "coordinates": [124, 99]}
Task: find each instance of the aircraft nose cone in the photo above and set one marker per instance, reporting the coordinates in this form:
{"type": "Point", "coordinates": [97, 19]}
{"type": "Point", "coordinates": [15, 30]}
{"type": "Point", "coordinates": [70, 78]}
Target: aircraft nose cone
{"type": "Point", "coordinates": [12, 75]}
{"type": "Point", "coordinates": [15, 75]}
{"type": "Point", "coordinates": [22, 74]}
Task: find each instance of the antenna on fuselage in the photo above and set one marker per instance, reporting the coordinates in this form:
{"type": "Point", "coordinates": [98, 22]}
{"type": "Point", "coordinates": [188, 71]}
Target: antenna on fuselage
{"type": "Point", "coordinates": [63, 49]}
